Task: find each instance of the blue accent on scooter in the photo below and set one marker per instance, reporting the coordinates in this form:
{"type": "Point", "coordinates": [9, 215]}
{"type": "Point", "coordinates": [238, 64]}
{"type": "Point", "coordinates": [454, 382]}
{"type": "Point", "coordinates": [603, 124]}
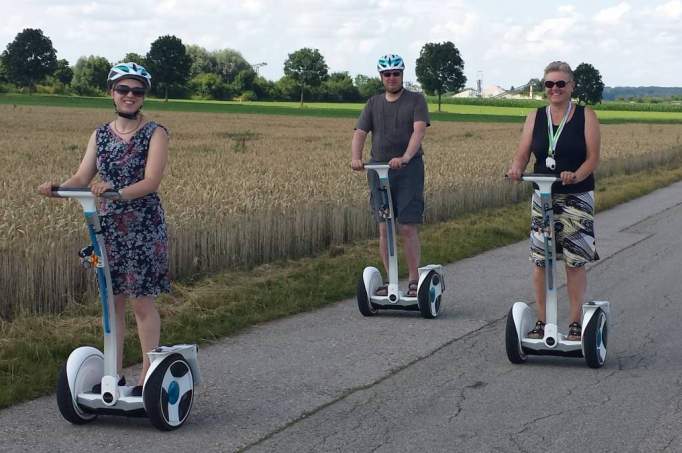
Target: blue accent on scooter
{"type": "Point", "coordinates": [173, 392]}
{"type": "Point", "coordinates": [101, 276]}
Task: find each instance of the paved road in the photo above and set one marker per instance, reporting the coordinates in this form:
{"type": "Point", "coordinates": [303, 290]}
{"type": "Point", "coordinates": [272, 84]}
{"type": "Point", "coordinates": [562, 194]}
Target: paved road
{"type": "Point", "coordinates": [335, 381]}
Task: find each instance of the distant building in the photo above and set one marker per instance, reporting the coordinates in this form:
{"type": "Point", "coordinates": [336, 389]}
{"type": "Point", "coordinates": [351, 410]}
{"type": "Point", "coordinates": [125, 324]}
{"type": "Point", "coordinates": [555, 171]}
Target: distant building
{"type": "Point", "coordinates": [496, 91]}
{"type": "Point", "coordinates": [493, 91]}
{"type": "Point", "coordinates": [466, 93]}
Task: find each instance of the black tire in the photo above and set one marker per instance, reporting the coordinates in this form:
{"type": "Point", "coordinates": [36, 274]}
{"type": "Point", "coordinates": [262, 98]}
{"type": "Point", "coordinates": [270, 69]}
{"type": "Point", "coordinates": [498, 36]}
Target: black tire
{"type": "Point", "coordinates": [512, 341]}
{"type": "Point", "coordinates": [595, 340]}
{"type": "Point", "coordinates": [66, 403]}
{"type": "Point", "coordinates": [158, 400]}
{"type": "Point", "coordinates": [364, 304]}
{"type": "Point", "coordinates": [424, 296]}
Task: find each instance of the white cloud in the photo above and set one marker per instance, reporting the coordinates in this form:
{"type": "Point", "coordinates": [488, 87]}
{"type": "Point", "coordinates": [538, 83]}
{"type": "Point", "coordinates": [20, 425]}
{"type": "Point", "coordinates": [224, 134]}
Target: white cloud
{"type": "Point", "coordinates": [670, 10]}
{"type": "Point", "coordinates": [509, 41]}
{"type": "Point", "coordinates": [551, 29]}
{"type": "Point", "coordinates": [613, 15]}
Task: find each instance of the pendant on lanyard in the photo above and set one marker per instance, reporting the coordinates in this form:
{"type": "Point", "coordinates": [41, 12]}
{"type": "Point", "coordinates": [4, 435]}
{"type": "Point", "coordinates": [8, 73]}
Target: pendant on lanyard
{"type": "Point", "coordinates": [550, 162]}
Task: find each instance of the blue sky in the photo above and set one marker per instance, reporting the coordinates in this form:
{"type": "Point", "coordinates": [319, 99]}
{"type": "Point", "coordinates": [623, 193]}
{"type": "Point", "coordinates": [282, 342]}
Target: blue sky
{"type": "Point", "coordinates": [632, 42]}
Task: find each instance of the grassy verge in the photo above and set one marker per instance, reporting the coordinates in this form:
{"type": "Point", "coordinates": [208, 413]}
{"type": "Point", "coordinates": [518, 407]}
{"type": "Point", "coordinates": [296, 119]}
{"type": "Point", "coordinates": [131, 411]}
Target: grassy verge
{"type": "Point", "coordinates": [33, 348]}
{"type": "Point", "coordinates": [451, 112]}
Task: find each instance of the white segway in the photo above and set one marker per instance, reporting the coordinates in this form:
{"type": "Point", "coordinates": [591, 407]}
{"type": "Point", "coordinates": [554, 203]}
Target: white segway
{"type": "Point", "coordinates": [430, 284]}
{"type": "Point", "coordinates": [168, 390]}
{"type": "Point", "coordinates": [520, 319]}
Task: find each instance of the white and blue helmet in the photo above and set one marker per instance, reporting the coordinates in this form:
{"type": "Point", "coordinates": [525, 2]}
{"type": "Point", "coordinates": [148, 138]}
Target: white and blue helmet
{"type": "Point", "coordinates": [390, 61]}
{"type": "Point", "coordinates": [129, 71]}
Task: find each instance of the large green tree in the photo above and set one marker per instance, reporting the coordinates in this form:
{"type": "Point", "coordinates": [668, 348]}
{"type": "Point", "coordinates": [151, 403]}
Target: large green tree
{"type": "Point", "coordinates": [368, 86]}
{"type": "Point", "coordinates": [63, 73]}
{"type": "Point", "coordinates": [306, 67]}
{"type": "Point", "coordinates": [440, 69]}
{"type": "Point", "coordinates": [226, 63]}
{"type": "Point", "coordinates": [132, 57]}
{"type": "Point", "coordinates": [209, 86]}
{"type": "Point", "coordinates": [202, 62]}
{"type": "Point", "coordinates": [3, 71]}
{"type": "Point", "coordinates": [339, 87]}
{"type": "Point", "coordinates": [244, 80]}
{"type": "Point", "coordinates": [588, 84]}
{"type": "Point", "coordinates": [263, 88]}
{"type": "Point", "coordinates": [90, 75]}
{"type": "Point", "coordinates": [29, 58]}
{"type": "Point", "coordinates": [168, 64]}
{"type": "Point", "coordinates": [229, 63]}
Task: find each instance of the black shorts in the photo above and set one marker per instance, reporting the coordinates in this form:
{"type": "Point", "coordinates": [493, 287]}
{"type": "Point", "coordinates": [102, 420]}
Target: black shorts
{"type": "Point", "coordinates": [407, 192]}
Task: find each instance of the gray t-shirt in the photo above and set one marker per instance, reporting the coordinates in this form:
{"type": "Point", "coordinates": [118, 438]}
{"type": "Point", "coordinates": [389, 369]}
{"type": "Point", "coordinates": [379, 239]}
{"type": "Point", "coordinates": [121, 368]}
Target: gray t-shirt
{"type": "Point", "coordinates": [392, 123]}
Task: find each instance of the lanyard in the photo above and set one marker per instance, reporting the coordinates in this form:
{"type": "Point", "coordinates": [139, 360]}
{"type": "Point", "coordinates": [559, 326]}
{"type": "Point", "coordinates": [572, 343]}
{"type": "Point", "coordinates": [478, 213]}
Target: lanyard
{"type": "Point", "coordinates": [554, 137]}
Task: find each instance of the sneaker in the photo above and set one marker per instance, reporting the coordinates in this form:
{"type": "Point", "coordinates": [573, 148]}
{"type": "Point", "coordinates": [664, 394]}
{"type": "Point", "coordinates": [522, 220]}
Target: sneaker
{"type": "Point", "coordinates": [136, 391]}
{"type": "Point", "coordinates": [538, 331]}
{"type": "Point", "coordinates": [97, 388]}
{"type": "Point", "coordinates": [575, 331]}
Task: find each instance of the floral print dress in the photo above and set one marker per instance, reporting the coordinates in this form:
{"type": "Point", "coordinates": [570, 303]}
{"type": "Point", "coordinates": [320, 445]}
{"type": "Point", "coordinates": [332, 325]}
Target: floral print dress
{"type": "Point", "coordinates": [134, 230]}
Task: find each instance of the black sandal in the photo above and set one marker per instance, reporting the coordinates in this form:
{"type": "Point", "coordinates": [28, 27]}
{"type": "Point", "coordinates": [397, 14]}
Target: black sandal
{"type": "Point", "coordinates": [381, 290]}
{"type": "Point", "coordinates": [575, 331]}
{"type": "Point", "coordinates": [538, 331]}
{"type": "Point", "coordinates": [412, 288]}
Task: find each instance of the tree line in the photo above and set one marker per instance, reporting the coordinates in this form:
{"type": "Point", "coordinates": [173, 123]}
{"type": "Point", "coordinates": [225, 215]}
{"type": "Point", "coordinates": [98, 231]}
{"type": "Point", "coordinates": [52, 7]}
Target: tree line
{"type": "Point", "coordinates": [189, 71]}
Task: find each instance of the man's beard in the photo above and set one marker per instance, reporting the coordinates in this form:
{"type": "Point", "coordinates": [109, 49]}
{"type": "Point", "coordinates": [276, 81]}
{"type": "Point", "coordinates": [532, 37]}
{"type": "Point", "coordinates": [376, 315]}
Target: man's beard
{"type": "Point", "coordinates": [395, 90]}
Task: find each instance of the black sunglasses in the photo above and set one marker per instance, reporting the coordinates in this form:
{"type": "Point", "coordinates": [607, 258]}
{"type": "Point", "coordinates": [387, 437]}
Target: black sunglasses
{"type": "Point", "coordinates": [388, 74]}
{"type": "Point", "coordinates": [123, 90]}
{"type": "Point", "coordinates": [558, 83]}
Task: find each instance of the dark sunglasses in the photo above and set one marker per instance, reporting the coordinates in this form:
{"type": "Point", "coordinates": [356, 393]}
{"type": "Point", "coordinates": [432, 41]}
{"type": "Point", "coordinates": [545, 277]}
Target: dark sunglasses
{"type": "Point", "coordinates": [123, 90]}
{"type": "Point", "coordinates": [558, 83]}
{"type": "Point", "coordinates": [388, 74]}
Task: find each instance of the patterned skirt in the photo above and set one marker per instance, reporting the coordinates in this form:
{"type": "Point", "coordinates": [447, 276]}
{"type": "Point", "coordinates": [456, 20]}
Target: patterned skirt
{"type": "Point", "coordinates": [137, 249]}
{"type": "Point", "coordinates": [573, 229]}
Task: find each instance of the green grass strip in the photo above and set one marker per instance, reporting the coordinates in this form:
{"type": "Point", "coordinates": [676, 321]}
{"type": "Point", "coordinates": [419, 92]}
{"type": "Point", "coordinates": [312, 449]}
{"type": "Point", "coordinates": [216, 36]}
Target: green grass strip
{"type": "Point", "coordinates": [33, 348]}
{"type": "Point", "coordinates": [451, 112]}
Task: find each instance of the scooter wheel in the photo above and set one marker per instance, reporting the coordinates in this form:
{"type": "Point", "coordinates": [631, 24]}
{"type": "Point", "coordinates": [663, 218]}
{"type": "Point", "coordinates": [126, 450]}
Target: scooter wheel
{"type": "Point", "coordinates": [595, 339]}
{"type": "Point", "coordinates": [514, 352]}
{"type": "Point", "coordinates": [364, 304]}
{"type": "Point", "coordinates": [66, 403]}
{"type": "Point", "coordinates": [429, 295]}
{"type": "Point", "coordinates": [169, 392]}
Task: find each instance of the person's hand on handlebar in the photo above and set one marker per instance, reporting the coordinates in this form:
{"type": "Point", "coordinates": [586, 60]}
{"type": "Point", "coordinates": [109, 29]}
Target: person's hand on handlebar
{"type": "Point", "coordinates": [45, 188]}
{"type": "Point", "coordinates": [99, 188]}
{"type": "Point", "coordinates": [568, 177]}
{"type": "Point", "coordinates": [514, 173]}
{"type": "Point", "coordinates": [397, 163]}
{"type": "Point", "coordinates": [357, 164]}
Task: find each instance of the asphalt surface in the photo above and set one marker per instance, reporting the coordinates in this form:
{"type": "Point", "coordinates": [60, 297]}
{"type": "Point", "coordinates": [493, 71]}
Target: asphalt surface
{"type": "Point", "coordinates": [333, 380]}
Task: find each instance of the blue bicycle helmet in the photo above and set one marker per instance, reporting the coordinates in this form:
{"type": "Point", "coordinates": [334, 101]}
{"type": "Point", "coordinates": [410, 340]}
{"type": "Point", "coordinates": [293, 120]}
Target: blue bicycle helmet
{"type": "Point", "coordinates": [129, 71]}
{"type": "Point", "coordinates": [390, 61]}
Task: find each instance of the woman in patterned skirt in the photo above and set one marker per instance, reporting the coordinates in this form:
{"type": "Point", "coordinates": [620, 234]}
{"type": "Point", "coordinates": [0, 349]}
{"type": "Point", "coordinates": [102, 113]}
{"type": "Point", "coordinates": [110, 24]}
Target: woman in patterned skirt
{"type": "Point", "coordinates": [565, 140]}
{"type": "Point", "coordinates": [129, 154]}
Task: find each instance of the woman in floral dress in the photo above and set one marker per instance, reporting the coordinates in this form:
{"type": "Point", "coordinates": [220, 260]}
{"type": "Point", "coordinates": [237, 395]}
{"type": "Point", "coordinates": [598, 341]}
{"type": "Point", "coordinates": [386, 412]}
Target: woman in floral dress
{"type": "Point", "coordinates": [129, 154]}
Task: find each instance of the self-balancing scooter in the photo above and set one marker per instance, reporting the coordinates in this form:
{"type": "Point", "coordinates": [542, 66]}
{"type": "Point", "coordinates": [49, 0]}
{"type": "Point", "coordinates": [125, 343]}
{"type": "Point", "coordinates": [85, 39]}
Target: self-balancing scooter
{"type": "Point", "coordinates": [520, 319]}
{"type": "Point", "coordinates": [168, 390]}
{"type": "Point", "coordinates": [430, 285]}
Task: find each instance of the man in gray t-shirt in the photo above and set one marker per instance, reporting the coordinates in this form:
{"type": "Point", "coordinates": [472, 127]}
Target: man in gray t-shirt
{"type": "Point", "coordinates": [397, 120]}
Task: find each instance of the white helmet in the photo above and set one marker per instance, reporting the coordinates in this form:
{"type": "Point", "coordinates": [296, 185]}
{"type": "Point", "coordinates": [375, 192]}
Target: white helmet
{"type": "Point", "coordinates": [129, 71]}
{"type": "Point", "coordinates": [390, 61]}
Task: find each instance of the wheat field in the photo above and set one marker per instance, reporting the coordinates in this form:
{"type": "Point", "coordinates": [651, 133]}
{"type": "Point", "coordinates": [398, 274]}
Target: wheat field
{"type": "Point", "coordinates": [241, 190]}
